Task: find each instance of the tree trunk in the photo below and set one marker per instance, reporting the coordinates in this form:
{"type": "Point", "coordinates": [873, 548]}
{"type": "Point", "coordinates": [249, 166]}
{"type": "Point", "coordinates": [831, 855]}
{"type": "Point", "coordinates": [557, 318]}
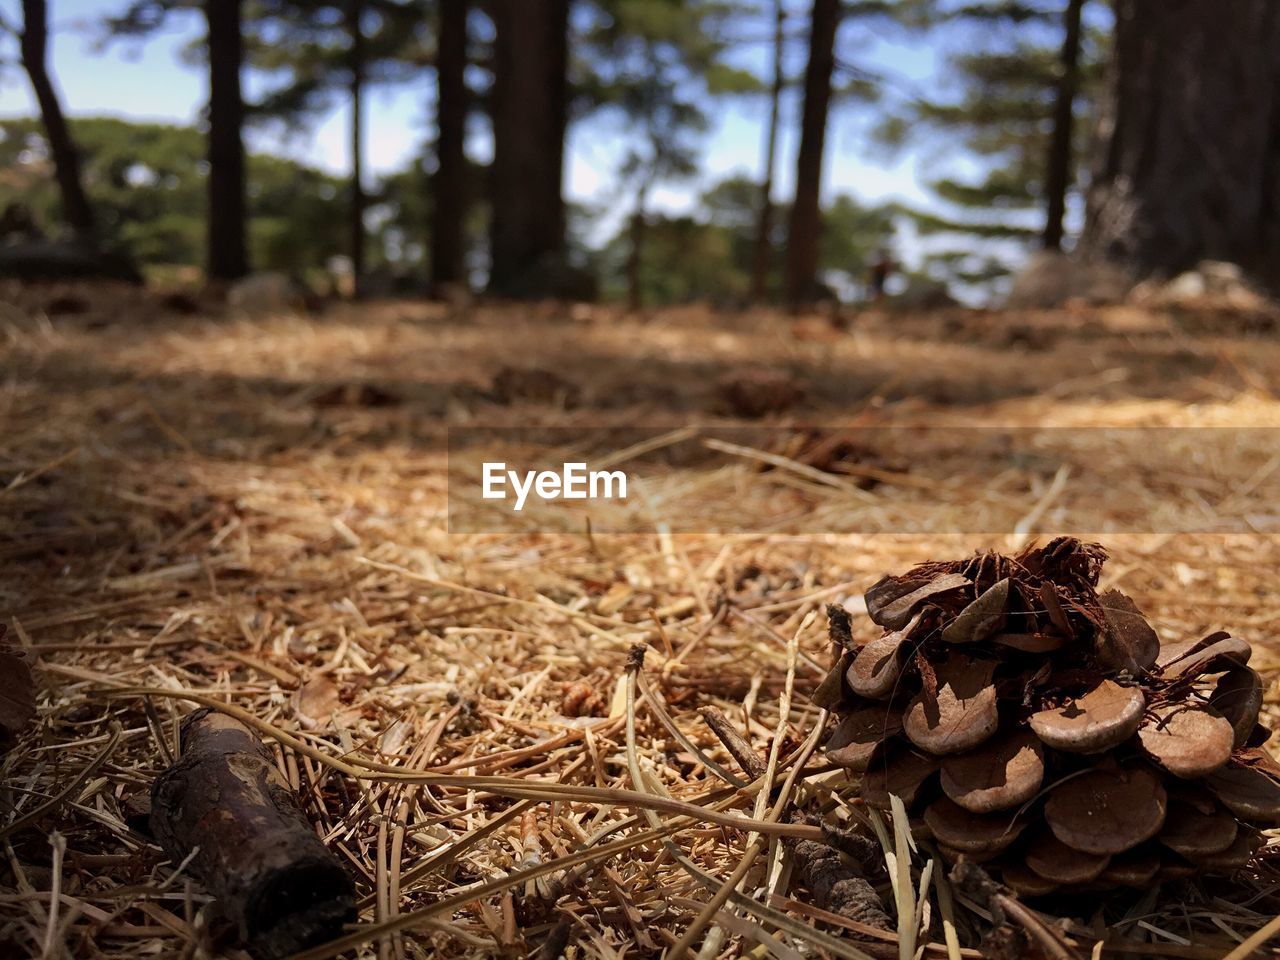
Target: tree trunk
{"type": "Point", "coordinates": [806, 215]}
{"type": "Point", "coordinates": [448, 241]}
{"type": "Point", "coordinates": [355, 27]}
{"type": "Point", "coordinates": [764, 227]}
{"type": "Point", "coordinates": [529, 120]}
{"type": "Point", "coordinates": [1189, 138]}
{"type": "Point", "coordinates": [635, 294]}
{"type": "Point", "coordinates": [1058, 168]}
{"type": "Point", "coordinates": [227, 257]}
{"type": "Point", "coordinates": [66, 160]}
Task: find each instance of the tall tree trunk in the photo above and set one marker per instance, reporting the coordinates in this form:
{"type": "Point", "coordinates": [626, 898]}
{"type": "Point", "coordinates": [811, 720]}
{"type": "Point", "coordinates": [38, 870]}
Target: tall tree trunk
{"type": "Point", "coordinates": [1187, 166]}
{"type": "Point", "coordinates": [1058, 168]}
{"type": "Point", "coordinates": [806, 216]}
{"type": "Point", "coordinates": [448, 242]}
{"type": "Point", "coordinates": [764, 227]}
{"type": "Point", "coordinates": [227, 258]}
{"type": "Point", "coordinates": [355, 27]}
{"type": "Point", "coordinates": [66, 160]}
{"type": "Point", "coordinates": [529, 119]}
{"type": "Point", "coordinates": [635, 256]}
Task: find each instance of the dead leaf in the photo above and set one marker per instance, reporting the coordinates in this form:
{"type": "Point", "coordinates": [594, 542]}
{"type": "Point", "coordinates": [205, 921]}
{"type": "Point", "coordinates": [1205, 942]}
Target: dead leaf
{"type": "Point", "coordinates": [316, 702]}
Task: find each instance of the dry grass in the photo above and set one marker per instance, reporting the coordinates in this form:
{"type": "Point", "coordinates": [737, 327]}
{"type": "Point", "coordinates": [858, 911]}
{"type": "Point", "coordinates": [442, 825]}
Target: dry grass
{"type": "Point", "coordinates": [192, 508]}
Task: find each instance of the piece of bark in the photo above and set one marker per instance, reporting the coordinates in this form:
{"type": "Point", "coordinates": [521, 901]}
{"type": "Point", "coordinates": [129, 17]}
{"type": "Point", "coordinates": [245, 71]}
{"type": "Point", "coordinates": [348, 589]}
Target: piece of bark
{"type": "Point", "coordinates": [257, 853]}
{"type": "Point", "coordinates": [557, 940]}
{"type": "Point", "coordinates": [836, 883]}
{"type": "Point", "coordinates": [17, 695]}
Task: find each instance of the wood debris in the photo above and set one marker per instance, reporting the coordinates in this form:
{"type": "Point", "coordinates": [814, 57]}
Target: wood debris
{"type": "Point", "coordinates": [224, 810]}
{"type": "Point", "coordinates": [17, 694]}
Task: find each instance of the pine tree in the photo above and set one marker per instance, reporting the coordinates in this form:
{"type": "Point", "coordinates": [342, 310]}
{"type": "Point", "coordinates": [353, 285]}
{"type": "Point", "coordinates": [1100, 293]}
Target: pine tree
{"type": "Point", "coordinates": [330, 50]}
{"type": "Point", "coordinates": [1188, 165]}
{"type": "Point", "coordinates": [76, 209]}
{"type": "Point", "coordinates": [827, 78]}
{"type": "Point", "coordinates": [1058, 178]}
{"type": "Point", "coordinates": [448, 235]}
{"type": "Point", "coordinates": [227, 251]}
{"type": "Point", "coordinates": [1021, 75]}
{"type": "Point", "coordinates": [356, 60]}
{"type": "Point", "coordinates": [710, 253]}
{"type": "Point", "coordinates": [529, 105]}
{"type": "Point", "coordinates": [762, 262]}
{"type": "Point", "coordinates": [804, 230]}
{"type": "Point", "coordinates": [656, 62]}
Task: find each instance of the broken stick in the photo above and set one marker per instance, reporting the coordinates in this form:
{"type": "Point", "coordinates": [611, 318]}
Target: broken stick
{"type": "Point", "coordinates": [253, 848]}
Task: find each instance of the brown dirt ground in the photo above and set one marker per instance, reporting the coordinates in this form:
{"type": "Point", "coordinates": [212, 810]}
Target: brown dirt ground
{"type": "Point", "coordinates": [212, 504]}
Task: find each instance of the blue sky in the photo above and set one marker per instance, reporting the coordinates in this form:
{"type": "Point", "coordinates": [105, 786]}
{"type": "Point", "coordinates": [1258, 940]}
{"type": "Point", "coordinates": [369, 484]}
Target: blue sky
{"type": "Point", "coordinates": [153, 81]}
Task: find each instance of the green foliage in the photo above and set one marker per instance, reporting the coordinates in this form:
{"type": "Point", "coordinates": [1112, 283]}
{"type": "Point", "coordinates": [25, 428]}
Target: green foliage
{"type": "Point", "coordinates": [147, 184]}
{"type": "Point", "coordinates": [964, 266]}
{"type": "Point", "coordinates": [653, 62]}
{"type": "Point", "coordinates": [928, 224]}
{"type": "Point", "coordinates": [734, 203]}
{"type": "Point", "coordinates": [400, 209]}
{"type": "Point", "coordinates": [651, 73]}
{"type": "Point", "coordinates": [686, 259]}
{"type": "Point", "coordinates": [294, 214]}
{"type": "Point", "coordinates": [994, 102]}
{"type": "Point", "coordinates": [851, 236]}
{"type": "Point", "coordinates": [997, 95]}
{"type": "Point", "coordinates": [723, 80]}
{"type": "Point", "coordinates": [707, 255]}
{"type": "Point", "coordinates": [1003, 188]}
{"type": "Point", "coordinates": [304, 46]}
{"type": "Point", "coordinates": [138, 177]}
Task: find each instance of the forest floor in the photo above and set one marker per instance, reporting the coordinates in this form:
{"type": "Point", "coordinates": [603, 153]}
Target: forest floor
{"type": "Point", "coordinates": [254, 510]}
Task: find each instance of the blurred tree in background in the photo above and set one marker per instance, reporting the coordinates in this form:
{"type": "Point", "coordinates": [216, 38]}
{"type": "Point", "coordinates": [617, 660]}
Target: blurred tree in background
{"type": "Point", "coordinates": [1189, 167]}
{"type": "Point", "coordinates": [319, 54]}
{"type": "Point", "coordinates": [226, 254]}
{"type": "Point", "coordinates": [656, 63]}
{"type": "Point", "coordinates": [1000, 132]}
{"type": "Point", "coordinates": [1019, 76]}
{"type": "Point", "coordinates": [453, 181]}
{"type": "Point", "coordinates": [530, 115]}
{"type": "Point", "coordinates": [76, 210]}
{"type": "Point", "coordinates": [148, 185]}
{"type": "Point", "coordinates": [710, 254]}
{"type": "Point", "coordinates": [222, 51]}
{"type": "Point", "coordinates": [826, 77]}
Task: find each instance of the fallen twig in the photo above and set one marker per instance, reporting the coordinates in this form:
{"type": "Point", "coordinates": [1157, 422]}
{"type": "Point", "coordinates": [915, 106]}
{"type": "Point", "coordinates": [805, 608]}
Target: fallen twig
{"type": "Point", "coordinates": [257, 853]}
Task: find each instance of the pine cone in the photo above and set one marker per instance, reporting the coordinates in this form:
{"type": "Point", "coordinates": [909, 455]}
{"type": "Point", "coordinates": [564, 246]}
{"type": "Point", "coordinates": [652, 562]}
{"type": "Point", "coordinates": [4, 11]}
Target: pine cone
{"type": "Point", "coordinates": [1034, 725]}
